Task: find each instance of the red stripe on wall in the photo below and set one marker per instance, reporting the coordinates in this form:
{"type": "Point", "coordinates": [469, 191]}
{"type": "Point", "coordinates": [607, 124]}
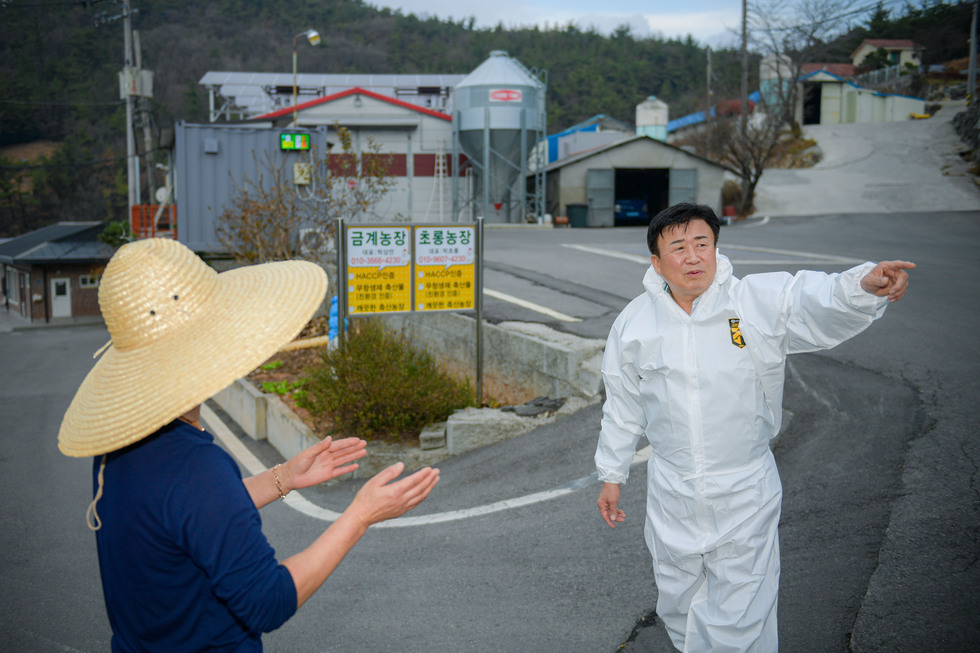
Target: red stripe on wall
{"type": "Point", "coordinates": [425, 164]}
{"type": "Point", "coordinates": [345, 165]}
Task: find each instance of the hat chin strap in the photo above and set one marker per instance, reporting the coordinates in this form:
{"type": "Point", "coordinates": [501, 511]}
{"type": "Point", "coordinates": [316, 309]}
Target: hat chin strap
{"type": "Point", "coordinates": [102, 349]}
{"type": "Point", "coordinates": [92, 514]}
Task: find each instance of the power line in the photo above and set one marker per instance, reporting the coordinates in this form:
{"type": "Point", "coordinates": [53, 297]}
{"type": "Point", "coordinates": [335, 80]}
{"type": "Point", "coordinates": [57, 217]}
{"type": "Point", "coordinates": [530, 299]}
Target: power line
{"type": "Point", "coordinates": [74, 164]}
{"type": "Point", "coordinates": [887, 4]}
{"type": "Point", "coordinates": [62, 104]}
{"type": "Point", "coordinates": [84, 4]}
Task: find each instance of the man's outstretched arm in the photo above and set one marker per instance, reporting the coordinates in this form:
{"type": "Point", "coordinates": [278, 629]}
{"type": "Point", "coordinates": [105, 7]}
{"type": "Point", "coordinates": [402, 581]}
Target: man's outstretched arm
{"type": "Point", "coordinates": [888, 278]}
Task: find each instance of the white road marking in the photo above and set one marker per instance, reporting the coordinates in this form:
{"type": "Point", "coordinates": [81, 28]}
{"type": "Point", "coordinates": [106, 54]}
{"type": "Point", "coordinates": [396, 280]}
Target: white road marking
{"type": "Point", "coordinates": [235, 447]}
{"type": "Point", "coordinates": [537, 308]}
{"type": "Point", "coordinates": [301, 504]}
{"type": "Point", "coordinates": [808, 257]}
{"type": "Point", "coordinates": [823, 258]}
{"type": "Point", "coordinates": [644, 260]}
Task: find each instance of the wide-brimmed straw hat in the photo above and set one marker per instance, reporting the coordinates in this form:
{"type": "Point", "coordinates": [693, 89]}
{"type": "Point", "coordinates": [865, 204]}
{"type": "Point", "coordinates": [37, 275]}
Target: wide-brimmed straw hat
{"type": "Point", "coordinates": [180, 333]}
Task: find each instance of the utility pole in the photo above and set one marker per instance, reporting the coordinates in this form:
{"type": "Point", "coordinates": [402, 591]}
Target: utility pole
{"type": "Point", "coordinates": [744, 101]}
{"type": "Point", "coordinates": [708, 92]}
{"type": "Point", "coordinates": [145, 119]}
{"type": "Point", "coordinates": [971, 85]}
{"type": "Point", "coordinates": [132, 166]}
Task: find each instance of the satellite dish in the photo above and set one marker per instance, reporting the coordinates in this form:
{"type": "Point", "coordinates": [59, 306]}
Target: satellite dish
{"type": "Point", "coordinates": [162, 194]}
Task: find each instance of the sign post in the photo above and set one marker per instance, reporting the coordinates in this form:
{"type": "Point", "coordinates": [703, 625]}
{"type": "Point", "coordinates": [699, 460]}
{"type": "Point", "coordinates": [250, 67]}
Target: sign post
{"type": "Point", "coordinates": [396, 268]}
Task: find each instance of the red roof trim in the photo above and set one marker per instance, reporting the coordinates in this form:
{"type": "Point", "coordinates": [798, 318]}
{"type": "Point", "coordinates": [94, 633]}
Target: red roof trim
{"type": "Point", "coordinates": [357, 90]}
{"type": "Point", "coordinates": [839, 69]}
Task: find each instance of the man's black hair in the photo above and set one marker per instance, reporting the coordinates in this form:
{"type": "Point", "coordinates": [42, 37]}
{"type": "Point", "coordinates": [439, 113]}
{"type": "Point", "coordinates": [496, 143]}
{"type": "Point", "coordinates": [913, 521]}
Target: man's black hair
{"type": "Point", "coordinates": [678, 214]}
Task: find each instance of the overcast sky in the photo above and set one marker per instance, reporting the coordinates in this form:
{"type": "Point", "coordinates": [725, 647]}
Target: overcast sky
{"type": "Point", "coordinates": [712, 22]}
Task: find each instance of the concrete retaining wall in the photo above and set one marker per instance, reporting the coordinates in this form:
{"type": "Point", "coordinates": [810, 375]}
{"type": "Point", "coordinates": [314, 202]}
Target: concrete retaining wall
{"type": "Point", "coordinates": [530, 355]}
{"type": "Point", "coordinates": [967, 126]}
{"type": "Point", "coordinates": [265, 417]}
{"type": "Point", "coordinates": [533, 356]}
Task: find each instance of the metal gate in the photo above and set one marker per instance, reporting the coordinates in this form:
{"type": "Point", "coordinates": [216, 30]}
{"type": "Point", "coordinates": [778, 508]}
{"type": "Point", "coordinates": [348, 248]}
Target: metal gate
{"type": "Point", "coordinates": [600, 187]}
{"type": "Point", "coordinates": [683, 186]}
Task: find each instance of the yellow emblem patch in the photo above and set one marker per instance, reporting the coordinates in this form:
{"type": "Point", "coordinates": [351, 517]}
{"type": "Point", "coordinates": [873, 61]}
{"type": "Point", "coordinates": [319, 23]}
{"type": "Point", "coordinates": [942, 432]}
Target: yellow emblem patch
{"type": "Point", "coordinates": [737, 339]}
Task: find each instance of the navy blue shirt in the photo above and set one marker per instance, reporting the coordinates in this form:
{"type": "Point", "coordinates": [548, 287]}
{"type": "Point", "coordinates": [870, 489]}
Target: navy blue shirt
{"type": "Point", "coordinates": [185, 565]}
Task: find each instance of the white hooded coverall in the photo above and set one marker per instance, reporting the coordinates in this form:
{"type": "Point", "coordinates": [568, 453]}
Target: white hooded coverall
{"type": "Point", "coordinates": [706, 391]}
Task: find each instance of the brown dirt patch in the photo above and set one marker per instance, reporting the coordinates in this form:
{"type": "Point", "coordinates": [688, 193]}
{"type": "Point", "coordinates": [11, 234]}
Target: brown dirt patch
{"type": "Point", "coordinates": [29, 152]}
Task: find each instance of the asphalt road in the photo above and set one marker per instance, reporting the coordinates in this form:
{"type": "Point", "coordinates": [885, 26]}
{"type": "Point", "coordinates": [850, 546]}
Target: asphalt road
{"type": "Point", "coordinates": [879, 467]}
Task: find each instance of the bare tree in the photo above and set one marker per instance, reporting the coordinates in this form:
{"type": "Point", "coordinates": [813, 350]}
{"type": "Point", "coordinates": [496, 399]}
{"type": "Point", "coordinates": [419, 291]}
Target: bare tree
{"type": "Point", "coordinates": [272, 218]}
{"type": "Point", "coordinates": [785, 35]}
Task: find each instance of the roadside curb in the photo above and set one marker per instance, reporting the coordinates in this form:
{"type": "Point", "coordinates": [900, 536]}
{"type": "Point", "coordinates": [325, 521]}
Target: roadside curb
{"type": "Point", "coordinates": [552, 363]}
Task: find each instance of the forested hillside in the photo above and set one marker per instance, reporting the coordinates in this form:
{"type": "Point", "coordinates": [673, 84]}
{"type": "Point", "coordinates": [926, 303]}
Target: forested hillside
{"type": "Point", "coordinates": [59, 61]}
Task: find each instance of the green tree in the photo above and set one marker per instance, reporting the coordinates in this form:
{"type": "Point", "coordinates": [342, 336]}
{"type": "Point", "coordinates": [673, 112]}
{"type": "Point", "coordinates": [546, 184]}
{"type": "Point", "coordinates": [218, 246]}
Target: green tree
{"type": "Point", "coordinates": [116, 234]}
{"type": "Point", "coordinates": [877, 60]}
{"type": "Point", "coordinates": [879, 24]}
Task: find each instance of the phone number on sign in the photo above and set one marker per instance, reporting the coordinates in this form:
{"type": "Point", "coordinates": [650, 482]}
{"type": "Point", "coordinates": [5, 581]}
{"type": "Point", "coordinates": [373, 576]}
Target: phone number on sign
{"type": "Point", "coordinates": [376, 260]}
{"type": "Point", "coordinates": [442, 260]}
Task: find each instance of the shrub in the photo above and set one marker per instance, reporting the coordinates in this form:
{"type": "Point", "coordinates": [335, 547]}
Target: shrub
{"type": "Point", "coordinates": [282, 387]}
{"type": "Point", "coordinates": [731, 193]}
{"type": "Point", "coordinates": [376, 385]}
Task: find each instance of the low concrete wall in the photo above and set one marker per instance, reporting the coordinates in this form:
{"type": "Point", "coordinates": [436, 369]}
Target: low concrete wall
{"type": "Point", "coordinates": [287, 432]}
{"type": "Point", "coordinates": [463, 431]}
{"type": "Point", "coordinates": [245, 404]}
{"type": "Point", "coordinates": [545, 361]}
{"type": "Point", "coordinates": [967, 126]}
{"type": "Point", "coordinates": [265, 417]}
{"type": "Point", "coordinates": [530, 355]}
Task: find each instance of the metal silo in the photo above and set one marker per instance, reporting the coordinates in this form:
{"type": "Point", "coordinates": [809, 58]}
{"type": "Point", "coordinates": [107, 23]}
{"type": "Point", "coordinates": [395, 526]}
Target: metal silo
{"type": "Point", "coordinates": [499, 116]}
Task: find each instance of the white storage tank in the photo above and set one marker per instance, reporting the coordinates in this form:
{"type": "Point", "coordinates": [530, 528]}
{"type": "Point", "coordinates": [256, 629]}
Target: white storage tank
{"type": "Point", "coordinates": [499, 116]}
{"type": "Point", "coordinates": [651, 118]}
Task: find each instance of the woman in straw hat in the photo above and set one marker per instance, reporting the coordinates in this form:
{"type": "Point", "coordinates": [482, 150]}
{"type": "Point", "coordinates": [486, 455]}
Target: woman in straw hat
{"type": "Point", "coordinates": [184, 563]}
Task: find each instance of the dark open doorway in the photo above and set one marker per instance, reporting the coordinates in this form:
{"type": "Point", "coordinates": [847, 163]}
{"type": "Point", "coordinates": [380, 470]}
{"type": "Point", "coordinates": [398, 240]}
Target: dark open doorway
{"type": "Point", "coordinates": [640, 194]}
{"type": "Point", "coordinates": [811, 103]}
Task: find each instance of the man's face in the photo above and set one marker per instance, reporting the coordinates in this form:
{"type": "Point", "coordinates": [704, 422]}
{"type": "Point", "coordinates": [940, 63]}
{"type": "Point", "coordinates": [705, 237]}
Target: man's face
{"type": "Point", "coordinates": [686, 260]}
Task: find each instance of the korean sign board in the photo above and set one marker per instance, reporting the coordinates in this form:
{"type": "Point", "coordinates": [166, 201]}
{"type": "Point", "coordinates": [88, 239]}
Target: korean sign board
{"type": "Point", "coordinates": [394, 269]}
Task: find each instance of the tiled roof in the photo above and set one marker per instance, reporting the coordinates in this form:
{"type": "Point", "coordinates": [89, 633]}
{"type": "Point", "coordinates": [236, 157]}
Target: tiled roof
{"type": "Point", "coordinates": [838, 69]}
{"type": "Point", "coordinates": [63, 241]}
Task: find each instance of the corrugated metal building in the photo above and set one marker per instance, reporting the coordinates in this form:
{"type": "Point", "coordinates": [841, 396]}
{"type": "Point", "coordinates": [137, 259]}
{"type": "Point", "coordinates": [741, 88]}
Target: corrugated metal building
{"type": "Point", "coordinates": [212, 159]}
{"type": "Point", "coordinates": [629, 181]}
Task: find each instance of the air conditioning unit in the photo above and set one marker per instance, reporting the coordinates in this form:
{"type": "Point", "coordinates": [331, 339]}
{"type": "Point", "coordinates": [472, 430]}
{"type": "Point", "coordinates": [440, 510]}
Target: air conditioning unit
{"type": "Point", "coordinates": [315, 244]}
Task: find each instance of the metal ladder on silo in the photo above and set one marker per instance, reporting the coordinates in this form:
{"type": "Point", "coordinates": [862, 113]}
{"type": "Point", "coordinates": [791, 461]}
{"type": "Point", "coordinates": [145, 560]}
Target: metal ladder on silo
{"type": "Point", "coordinates": [438, 185]}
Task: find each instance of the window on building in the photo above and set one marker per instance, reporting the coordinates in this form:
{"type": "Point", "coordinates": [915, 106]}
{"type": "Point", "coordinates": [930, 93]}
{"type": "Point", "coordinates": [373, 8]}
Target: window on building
{"type": "Point", "coordinates": [88, 281]}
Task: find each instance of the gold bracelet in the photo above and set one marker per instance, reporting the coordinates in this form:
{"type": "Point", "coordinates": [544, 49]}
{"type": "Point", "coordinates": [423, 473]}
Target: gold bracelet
{"type": "Point", "coordinates": [275, 475]}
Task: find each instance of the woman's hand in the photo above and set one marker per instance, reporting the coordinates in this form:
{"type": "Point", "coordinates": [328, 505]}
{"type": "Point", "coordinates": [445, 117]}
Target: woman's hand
{"type": "Point", "coordinates": [320, 463]}
{"type": "Point", "coordinates": [383, 498]}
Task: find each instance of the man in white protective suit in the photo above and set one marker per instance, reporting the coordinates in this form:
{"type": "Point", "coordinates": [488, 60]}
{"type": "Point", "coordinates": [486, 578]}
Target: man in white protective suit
{"type": "Point", "coordinates": [696, 365]}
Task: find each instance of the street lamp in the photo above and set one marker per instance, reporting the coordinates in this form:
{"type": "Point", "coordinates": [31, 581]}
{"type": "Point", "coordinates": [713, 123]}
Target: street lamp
{"type": "Point", "coordinates": [313, 37]}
